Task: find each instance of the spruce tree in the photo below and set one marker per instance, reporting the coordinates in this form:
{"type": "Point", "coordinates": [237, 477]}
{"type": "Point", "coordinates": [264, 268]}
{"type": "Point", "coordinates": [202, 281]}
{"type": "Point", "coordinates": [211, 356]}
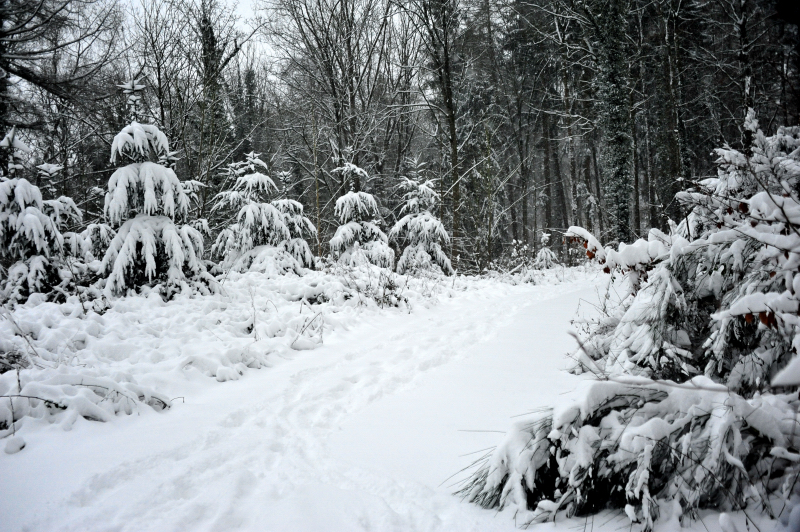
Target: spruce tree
{"type": "Point", "coordinates": [359, 238]}
{"type": "Point", "coordinates": [146, 203]}
{"type": "Point", "coordinates": [420, 230]}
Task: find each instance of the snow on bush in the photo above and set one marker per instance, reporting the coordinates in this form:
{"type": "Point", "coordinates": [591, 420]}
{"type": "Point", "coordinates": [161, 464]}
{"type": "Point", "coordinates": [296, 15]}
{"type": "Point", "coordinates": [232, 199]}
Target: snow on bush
{"type": "Point", "coordinates": [267, 235]}
{"type": "Point", "coordinates": [521, 267]}
{"type": "Point", "coordinates": [145, 202]}
{"type": "Point", "coordinates": [421, 232]}
{"type": "Point", "coordinates": [359, 239]}
{"type": "Point", "coordinates": [92, 243]}
{"type": "Point", "coordinates": [688, 405]}
{"type": "Point", "coordinates": [633, 444]}
{"type": "Point", "coordinates": [31, 240]}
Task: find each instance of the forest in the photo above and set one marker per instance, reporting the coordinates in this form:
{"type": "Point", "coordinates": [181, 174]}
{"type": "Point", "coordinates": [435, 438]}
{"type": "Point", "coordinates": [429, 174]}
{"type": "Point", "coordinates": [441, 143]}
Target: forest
{"type": "Point", "coordinates": [528, 116]}
{"type": "Point", "coordinates": [191, 190]}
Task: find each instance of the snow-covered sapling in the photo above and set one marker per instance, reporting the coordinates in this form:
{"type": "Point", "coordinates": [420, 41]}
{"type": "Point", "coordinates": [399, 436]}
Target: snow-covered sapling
{"type": "Point", "coordinates": [421, 232]}
{"type": "Point", "coordinates": [300, 227]}
{"type": "Point", "coordinates": [48, 172]}
{"type": "Point", "coordinates": [359, 238]}
{"type": "Point", "coordinates": [545, 258]}
{"type": "Point", "coordinates": [147, 203]}
{"type": "Point", "coordinates": [263, 228]}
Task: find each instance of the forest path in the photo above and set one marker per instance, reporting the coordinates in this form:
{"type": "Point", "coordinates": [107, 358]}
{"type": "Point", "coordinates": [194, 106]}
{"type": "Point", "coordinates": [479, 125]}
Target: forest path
{"type": "Point", "coordinates": [356, 435]}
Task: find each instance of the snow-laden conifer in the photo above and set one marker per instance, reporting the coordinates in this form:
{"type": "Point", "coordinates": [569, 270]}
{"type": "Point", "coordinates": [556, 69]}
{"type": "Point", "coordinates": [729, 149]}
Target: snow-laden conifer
{"type": "Point", "coordinates": [299, 227]}
{"type": "Point", "coordinates": [421, 232]}
{"type": "Point", "coordinates": [545, 258]}
{"type": "Point", "coordinates": [264, 231]}
{"type": "Point", "coordinates": [690, 405]}
{"type": "Point", "coordinates": [31, 240]}
{"type": "Point", "coordinates": [147, 205]}
{"type": "Point", "coordinates": [48, 173]}
{"type": "Point", "coordinates": [359, 238]}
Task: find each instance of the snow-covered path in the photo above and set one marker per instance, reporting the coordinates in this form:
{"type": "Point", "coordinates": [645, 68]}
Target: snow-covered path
{"type": "Point", "coordinates": [357, 435]}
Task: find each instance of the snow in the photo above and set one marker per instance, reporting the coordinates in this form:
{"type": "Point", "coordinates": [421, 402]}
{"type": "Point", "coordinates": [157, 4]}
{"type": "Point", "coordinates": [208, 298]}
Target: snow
{"type": "Point", "coordinates": [790, 375]}
{"type": "Point", "coordinates": [365, 432]}
{"type": "Point", "coordinates": [137, 139]}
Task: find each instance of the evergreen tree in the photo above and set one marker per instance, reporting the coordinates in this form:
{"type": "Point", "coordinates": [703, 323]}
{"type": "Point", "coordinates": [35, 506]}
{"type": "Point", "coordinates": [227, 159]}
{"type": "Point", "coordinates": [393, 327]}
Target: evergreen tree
{"type": "Point", "coordinates": [146, 202]}
{"type": "Point", "coordinates": [689, 404]}
{"type": "Point", "coordinates": [263, 229]}
{"type": "Point", "coordinates": [359, 238]}
{"type": "Point", "coordinates": [423, 233]}
{"type": "Point", "coordinates": [545, 258]}
{"type": "Point", "coordinates": [31, 240]}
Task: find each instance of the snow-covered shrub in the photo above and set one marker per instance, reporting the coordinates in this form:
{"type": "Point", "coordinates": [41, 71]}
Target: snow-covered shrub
{"type": "Point", "coordinates": [77, 363]}
{"type": "Point", "coordinates": [371, 284]}
{"type": "Point", "coordinates": [359, 238]}
{"type": "Point", "coordinates": [631, 445]}
{"type": "Point", "coordinates": [688, 406]}
{"type": "Point", "coordinates": [146, 203]}
{"type": "Point", "coordinates": [46, 373]}
{"type": "Point", "coordinates": [267, 235]}
{"type": "Point", "coordinates": [31, 240]}
{"type": "Point", "coordinates": [421, 232]}
{"type": "Point", "coordinates": [93, 241]}
{"type": "Point", "coordinates": [61, 396]}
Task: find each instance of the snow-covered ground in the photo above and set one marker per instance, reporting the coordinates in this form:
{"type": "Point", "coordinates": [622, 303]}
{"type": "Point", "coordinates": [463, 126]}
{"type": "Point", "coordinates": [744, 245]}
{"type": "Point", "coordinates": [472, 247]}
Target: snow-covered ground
{"type": "Point", "coordinates": [362, 433]}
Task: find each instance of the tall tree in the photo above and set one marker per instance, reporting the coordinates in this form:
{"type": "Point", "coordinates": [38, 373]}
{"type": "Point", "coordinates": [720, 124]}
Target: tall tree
{"type": "Point", "coordinates": [52, 45]}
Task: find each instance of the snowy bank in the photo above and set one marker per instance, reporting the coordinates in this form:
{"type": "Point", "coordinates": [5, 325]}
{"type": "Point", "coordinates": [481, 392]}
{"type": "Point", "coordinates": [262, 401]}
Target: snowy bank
{"type": "Point", "coordinates": [101, 358]}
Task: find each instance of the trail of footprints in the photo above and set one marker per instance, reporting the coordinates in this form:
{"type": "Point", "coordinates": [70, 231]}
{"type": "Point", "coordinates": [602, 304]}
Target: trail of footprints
{"type": "Point", "coordinates": [268, 448]}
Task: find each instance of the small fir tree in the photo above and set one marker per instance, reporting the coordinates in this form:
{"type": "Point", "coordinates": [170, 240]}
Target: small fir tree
{"type": "Point", "coordinates": [31, 240]}
{"type": "Point", "coordinates": [545, 258]}
{"type": "Point", "coordinates": [276, 228]}
{"type": "Point", "coordinates": [359, 239]}
{"type": "Point", "coordinates": [421, 232]}
{"type": "Point", "coordinates": [147, 204]}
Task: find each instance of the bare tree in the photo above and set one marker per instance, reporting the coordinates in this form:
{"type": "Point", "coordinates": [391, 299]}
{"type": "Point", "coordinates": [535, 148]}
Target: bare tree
{"type": "Point", "coordinates": [52, 45]}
